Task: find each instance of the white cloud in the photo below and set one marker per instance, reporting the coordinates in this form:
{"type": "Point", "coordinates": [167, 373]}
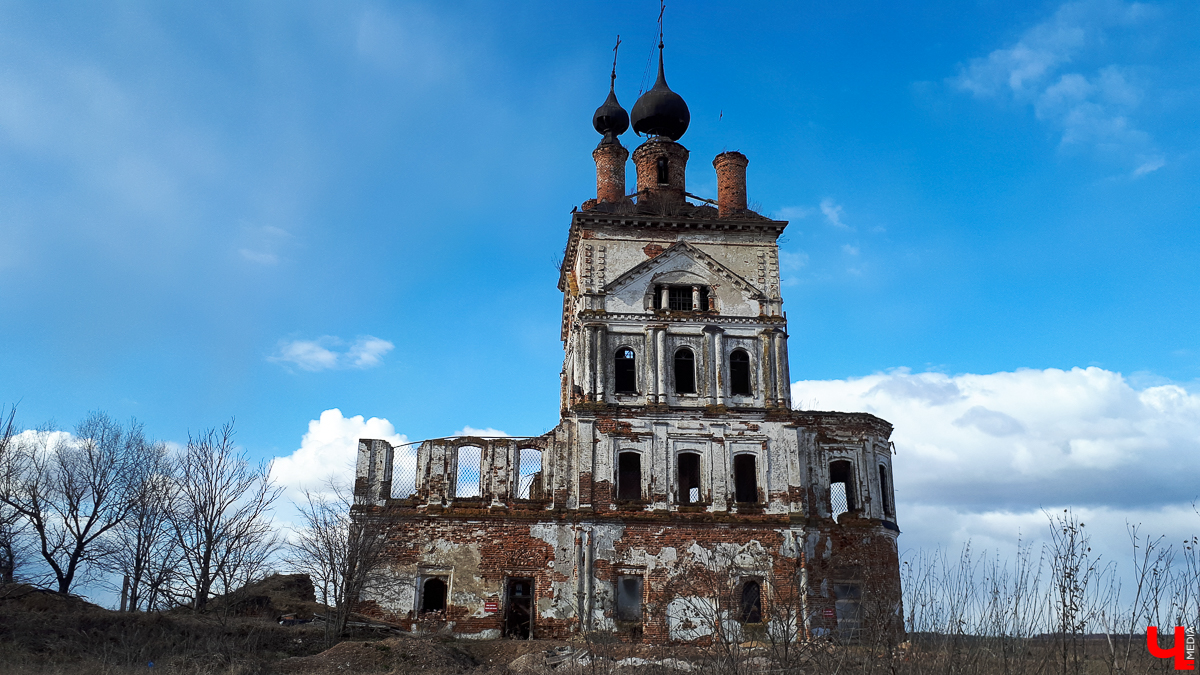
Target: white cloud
{"type": "Point", "coordinates": [980, 456]}
{"type": "Point", "coordinates": [324, 353]}
{"type": "Point", "coordinates": [260, 258]}
{"type": "Point", "coordinates": [849, 250]}
{"type": "Point", "coordinates": [329, 451]}
{"type": "Point", "coordinates": [1149, 166]}
{"type": "Point", "coordinates": [833, 213]}
{"type": "Point", "coordinates": [472, 431]}
{"type": "Point", "coordinates": [1091, 106]}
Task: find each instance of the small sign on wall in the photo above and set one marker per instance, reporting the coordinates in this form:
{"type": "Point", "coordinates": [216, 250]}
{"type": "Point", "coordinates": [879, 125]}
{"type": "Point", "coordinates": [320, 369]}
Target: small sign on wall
{"type": "Point", "coordinates": [491, 607]}
{"type": "Point", "coordinates": [829, 613]}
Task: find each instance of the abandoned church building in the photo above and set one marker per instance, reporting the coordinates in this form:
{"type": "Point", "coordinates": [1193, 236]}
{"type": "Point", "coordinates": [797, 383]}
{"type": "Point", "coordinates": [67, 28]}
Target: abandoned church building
{"type": "Point", "coordinates": [680, 497]}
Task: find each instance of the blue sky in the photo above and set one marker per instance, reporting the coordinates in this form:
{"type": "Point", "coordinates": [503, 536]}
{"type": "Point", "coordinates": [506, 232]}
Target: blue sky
{"type": "Point", "coordinates": [272, 210]}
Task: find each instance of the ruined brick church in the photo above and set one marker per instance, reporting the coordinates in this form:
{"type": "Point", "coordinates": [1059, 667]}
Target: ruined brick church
{"type": "Point", "coordinates": [680, 497]}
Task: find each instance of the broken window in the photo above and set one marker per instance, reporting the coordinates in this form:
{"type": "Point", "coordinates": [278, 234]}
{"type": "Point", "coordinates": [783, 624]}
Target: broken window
{"type": "Point", "coordinates": [433, 595]}
{"type": "Point", "coordinates": [629, 476]}
{"type": "Point", "coordinates": [885, 490]}
{"type": "Point", "coordinates": [689, 478]}
{"type": "Point", "coordinates": [841, 488]}
{"type": "Point", "coordinates": [470, 464]}
{"type": "Point", "coordinates": [529, 474]}
{"type": "Point", "coordinates": [751, 607]}
{"type": "Point", "coordinates": [663, 174]}
{"type": "Point", "coordinates": [745, 479]}
{"type": "Point", "coordinates": [629, 598]}
{"type": "Point", "coordinates": [685, 371]}
{"type": "Point", "coordinates": [625, 372]}
{"type": "Point", "coordinates": [739, 373]}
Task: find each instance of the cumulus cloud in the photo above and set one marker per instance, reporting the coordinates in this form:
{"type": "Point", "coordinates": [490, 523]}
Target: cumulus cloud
{"type": "Point", "coordinates": [1046, 69]}
{"type": "Point", "coordinates": [329, 450]}
{"type": "Point", "coordinates": [331, 353]}
{"type": "Point", "coordinates": [980, 456]}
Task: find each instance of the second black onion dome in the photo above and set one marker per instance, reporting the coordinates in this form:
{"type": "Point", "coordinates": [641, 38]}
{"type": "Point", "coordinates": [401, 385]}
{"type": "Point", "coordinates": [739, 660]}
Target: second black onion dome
{"type": "Point", "coordinates": [610, 118]}
{"type": "Point", "coordinates": [660, 111]}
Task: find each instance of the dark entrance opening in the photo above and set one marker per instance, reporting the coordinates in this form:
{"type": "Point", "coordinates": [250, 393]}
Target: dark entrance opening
{"type": "Point", "coordinates": [689, 478]}
{"type": "Point", "coordinates": [518, 609]}
{"type": "Point", "coordinates": [433, 595]}
{"type": "Point", "coordinates": [745, 479]}
{"type": "Point", "coordinates": [624, 371]}
{"type": "Point", "coordinates": [629, 476]}
{"type": "Point", "coordinates": [751, 609]}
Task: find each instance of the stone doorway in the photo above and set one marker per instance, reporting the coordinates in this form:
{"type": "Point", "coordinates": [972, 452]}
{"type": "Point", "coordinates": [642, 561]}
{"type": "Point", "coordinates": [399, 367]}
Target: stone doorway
{"type": "Point", "coordinates": [518, 608]}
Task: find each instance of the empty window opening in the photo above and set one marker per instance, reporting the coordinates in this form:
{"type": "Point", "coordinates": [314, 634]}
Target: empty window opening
{"type": "Point", "coordinates": [841, 488]}
{"type": "Point", "coordinates": [685, 372]}
{"type": "Point", "coordinates": [663, 175]}
{"type": "Point", "coordinates": [625, 372]}
{"type": "Point", "coordinates": [682, 298]}
{"type": "Point", "coordinates": [751, 607]}
{"type": "Point", "coordinates": [433, 595]}
{"type": "Point", "coordinates": [629, 476]}
{"type": "Point", "coordinates": [629, 598]}
{"type": "Point", "coordinates": [518, 609]}
{"type": "Point", "coordinates": [745, 479]}
{"type": "Point", "coordinates": [689, 478]}
{"type": "Point", "coordinates": [529, 475]}
{"type": "Point", "coordinates": [739, 373]}
{"type": "Point", "coordinates": [466, 483]}
{"type": "Point", "coordinates": [885, 490]}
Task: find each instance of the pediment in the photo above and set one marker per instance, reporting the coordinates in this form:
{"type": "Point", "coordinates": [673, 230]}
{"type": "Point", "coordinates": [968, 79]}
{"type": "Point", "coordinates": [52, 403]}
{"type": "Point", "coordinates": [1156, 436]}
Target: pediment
{"type": "Point", "coordinates": [682, 263]}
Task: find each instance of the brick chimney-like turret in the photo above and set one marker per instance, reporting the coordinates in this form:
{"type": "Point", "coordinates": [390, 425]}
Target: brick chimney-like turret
{"type": "Point", "coordinates": [661, 164]}
{"type": "Point", "coordinates": [610, 171]}
{"type": "Point", "coordinates": [731, 183]}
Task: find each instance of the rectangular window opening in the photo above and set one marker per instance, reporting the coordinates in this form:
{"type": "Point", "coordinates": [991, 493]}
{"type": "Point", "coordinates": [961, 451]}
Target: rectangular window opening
{"type": "Point", "coordinates": [470, 467]}
{"type": "Point", "coordinates": [745, 479]}
{"type": "Point", "coordinates": [629, 598]}
{"type": "Point", "coordinates": [680, 298]}
{"type": "Point", "coordinates": [529, 476]}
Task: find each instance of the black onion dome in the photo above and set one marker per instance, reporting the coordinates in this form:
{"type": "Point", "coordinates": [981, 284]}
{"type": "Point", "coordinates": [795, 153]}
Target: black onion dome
{"type": "Point", "coordinates": [660, 111]}
{"type": "Point", "coordinates": [611, 119]}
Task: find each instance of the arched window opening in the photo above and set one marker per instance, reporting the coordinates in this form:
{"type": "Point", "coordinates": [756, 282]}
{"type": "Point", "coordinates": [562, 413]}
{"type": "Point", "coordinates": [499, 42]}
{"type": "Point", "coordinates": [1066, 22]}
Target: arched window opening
{"type": "Point", "coordinates": [629, 476]}
{"type": "Point", "coordinates": [470, 468]}
{"type": "Point", "coordinates": [663, 175]}
{"type": "Point", "coordinates": [433, 595]}
{"type": "Point", "coordinates": [529, 474]}
{"type": "Point", "coordinates": [625, 372]}
{"type": "Point", "coordinates": [739, 373]}
{"type": "Point", "coordinates": [885, 490]}
{"type": "Point", "coordinates": [751, 609]}
{"type": "Point", "coordinates": [745, 479]}
{"type": "Point", "coordinates": [685, 372]}
{"type": "Point", "coordinates": [841, 488]}
{"type": "Point", "coordinates": [689, 478]}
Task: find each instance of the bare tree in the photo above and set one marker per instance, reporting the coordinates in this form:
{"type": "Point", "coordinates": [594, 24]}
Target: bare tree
{"type": "Point", "coordinates": [13, 546]}
{"type": "Point", "coordinates": [220, 515]}
{"type": "Point", "coordinates": [73, 491]}
{"type": "Point", "coordinates": [339, 548]}
{"type": "Point", "coordinates": [142, 550]}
